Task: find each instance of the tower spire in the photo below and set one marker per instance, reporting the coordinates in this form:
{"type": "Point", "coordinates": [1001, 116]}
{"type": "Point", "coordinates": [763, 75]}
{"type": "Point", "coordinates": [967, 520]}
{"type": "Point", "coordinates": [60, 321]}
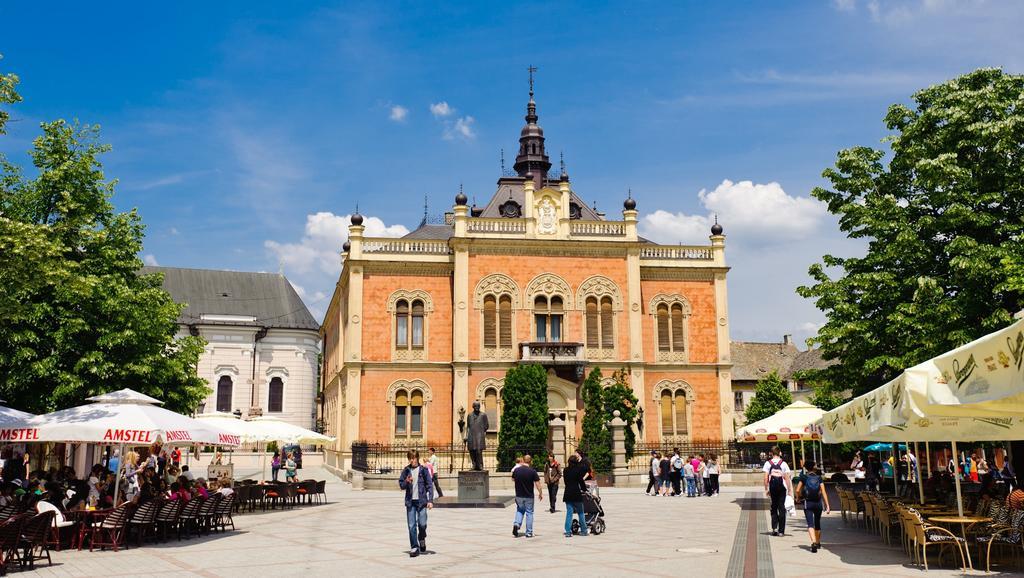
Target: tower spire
{"type": "Point", "coordinates": [532, 158]}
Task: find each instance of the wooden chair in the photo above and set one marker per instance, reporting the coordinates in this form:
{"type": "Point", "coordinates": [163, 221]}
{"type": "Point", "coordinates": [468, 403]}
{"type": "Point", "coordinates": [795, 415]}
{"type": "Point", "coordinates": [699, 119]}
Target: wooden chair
{"type": "Point", "coordinates": [927, 535]}
{"type": "Point", "coordinates": [321, 491]}
{"type": "Point", "coordinates": [272, 494]}
{"type": "Point", "coordinates": [113, 529]}
{"type": "Point", "coordinates": [59, 522]}
{"type": "Point", "coordinates": [207, 514]}
{"type": "Point", "coordinates": [8, 510]}
{"type": "Point", "coordinates": [34, 536]}
{"type": "Point", "coordinates": [10, 539]}
{"type": "Point", "coordinates": [167, 517]}
{"type": "Point", "coordinates": [143, 520]}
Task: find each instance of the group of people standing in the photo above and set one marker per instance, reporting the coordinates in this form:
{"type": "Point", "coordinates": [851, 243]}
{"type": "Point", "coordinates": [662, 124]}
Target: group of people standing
{"type": "Point", "coordinates": [668, 474]}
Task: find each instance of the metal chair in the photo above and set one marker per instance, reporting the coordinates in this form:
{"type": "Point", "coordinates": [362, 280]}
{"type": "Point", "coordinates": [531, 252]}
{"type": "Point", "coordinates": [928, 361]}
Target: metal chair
{"type": "Point", "coordinates": [112, 530]}
{"type": "Point", "coordinates": [34, 535]}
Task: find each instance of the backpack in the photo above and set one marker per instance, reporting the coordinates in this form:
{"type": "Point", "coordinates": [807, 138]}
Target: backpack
{"type": "Point", "coordinates": [772, 466]}
{"type": "Point", "coordinates": [812, 488]}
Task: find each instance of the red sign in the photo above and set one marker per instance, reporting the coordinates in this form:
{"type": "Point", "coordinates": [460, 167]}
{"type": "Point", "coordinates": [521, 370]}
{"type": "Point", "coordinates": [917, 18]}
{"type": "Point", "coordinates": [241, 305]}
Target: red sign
{"type": "Point", "coordinates": [229, 439]}
{"type": "Point", "coordinates": [139, 436]}
{"type": "Point", "coordinates": [177, 436]}
{"type": "Point", "coordinates": [772, 437]}
{"type": "Point", "coordinates": [27, 434]}
{"type": "Point", "coordinates": [794, 436]}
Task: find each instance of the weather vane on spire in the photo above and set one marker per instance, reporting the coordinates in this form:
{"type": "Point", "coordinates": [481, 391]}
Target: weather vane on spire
{"type": "Point", "coordinates": [531, 69]}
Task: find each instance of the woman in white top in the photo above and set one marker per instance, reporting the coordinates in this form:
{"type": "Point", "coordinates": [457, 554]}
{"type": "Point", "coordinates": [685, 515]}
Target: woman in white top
{"type": "Point", "coordinates": [777, 485]}
{"type": "Point", "coordinates": [713, 474]}
{"type": "Point", "coordinates": [857, 465]}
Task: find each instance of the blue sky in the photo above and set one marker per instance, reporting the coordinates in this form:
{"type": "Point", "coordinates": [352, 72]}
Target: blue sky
{"type": "Point", "coordinates": [246, 132]}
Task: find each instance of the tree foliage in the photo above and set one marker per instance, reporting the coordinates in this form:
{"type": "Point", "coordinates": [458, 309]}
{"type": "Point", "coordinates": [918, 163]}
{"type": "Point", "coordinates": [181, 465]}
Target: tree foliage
{"type": "Point", "coordinates": [76, 319]}
{"type": "Point", "coordinates": [619, 396]}
{"type": "Point", "coordinates": [942, 219]}
{"type": "Point", "coordinates": [770, 395]}
{"type": "Point", "coordinates": [524, 417]}
{"type": "Point", "coordinates": [596, 442]}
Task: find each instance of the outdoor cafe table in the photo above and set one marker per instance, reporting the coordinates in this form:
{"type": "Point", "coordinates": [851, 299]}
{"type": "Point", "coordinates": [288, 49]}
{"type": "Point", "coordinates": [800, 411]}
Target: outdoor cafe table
{"type": "Point", "coordinates": [86, 520]}
{"type": "Point", "coordinates": [963, 521]}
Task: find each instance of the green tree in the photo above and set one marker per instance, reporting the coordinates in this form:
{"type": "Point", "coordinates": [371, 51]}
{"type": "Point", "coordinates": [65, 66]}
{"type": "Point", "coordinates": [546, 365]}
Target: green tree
{"type": "Point", "coordinates": [76, 319]}
{"type": "Point", "coordinates": [524, 418]}
{"type": "Point", "coordinates": [943, 229]}
{"type": "Point", "coordinates": [619, 396]}
{"type": "Point", "coordinates": [596, 442]}
{"type": "Point", "coordinates": [770, 395]}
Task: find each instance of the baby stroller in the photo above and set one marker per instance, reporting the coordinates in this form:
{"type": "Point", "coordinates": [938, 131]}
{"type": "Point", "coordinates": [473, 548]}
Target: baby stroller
{"type": "Point", "coordinates": [593, 513]}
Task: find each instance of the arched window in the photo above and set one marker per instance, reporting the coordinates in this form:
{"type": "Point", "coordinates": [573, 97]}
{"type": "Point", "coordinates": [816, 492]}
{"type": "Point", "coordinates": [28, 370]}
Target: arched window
{"type": "Point", "coordinates": [275, 402]}
{"type": "Point", "coordinates": [224, 388]}
{"type": "Point", "coordinates": [491, 407]}
{"type": "Point", "coordinates": [490, 321]}
{"type": "Point", "coordinates": [674, 400]}
{"type": "Point", "coordinates": [409, 399]}
{"type": "Point", "coordinates": [671, 314]}
{"type": "Point", "coordinates": [410, 309]}
{"type": "Point", "coordinates": [505, 321]}
{"type": "Point", "coordinates": [547, 314]}
{"type": "Point", "coordinates": [600, 323]}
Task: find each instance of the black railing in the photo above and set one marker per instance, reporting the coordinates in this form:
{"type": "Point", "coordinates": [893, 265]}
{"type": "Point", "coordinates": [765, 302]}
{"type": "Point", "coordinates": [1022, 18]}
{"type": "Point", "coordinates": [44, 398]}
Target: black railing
{"type": "Point", "coordinates": [390, 458]}
{"type": "Point", "coordinates": [728, 453]}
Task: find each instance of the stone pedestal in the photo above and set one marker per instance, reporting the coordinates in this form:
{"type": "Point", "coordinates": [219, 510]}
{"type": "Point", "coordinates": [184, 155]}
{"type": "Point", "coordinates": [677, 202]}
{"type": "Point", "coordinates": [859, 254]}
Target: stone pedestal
{"type": "Point", "coordinates": [557, 427]}
{"type": "Point", "coordinates": [474, 485]}
{"type": "Point", "coordinates": [618, 427]}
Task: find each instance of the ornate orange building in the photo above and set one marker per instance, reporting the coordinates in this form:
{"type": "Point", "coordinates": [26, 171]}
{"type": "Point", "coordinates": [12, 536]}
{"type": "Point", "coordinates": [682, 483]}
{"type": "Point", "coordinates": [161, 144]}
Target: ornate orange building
{"type": "Point", "coordinates": [420, 327]}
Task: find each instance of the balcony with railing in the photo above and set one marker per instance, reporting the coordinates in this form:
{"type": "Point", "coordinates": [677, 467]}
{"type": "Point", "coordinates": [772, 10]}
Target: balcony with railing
{"type": "Point", "coordinates": [552, 353]}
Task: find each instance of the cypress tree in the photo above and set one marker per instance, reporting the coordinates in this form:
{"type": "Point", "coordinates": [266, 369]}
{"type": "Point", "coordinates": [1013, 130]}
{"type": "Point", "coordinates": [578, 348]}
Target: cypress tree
{"type": "Point", "coordinates": [524, 418]}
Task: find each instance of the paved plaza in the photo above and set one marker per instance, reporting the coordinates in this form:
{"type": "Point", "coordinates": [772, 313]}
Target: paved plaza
{"type": "Point", "coordinates": [362, 533]}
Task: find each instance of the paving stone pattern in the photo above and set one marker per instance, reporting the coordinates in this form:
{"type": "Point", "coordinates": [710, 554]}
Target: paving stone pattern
{"type": "Point", "coordinates": [362, 533]}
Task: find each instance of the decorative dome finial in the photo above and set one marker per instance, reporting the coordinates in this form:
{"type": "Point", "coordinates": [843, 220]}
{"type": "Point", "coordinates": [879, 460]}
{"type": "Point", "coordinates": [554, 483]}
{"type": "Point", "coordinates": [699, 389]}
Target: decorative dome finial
{"type": "Point", "coordinates": [716, 229]}
{"type": "Point", "coordinates": [356, 218]}
{"type": "Point", "coordinates": [460, 199]}
{"type": "Point", "coordinates": [629, 204]}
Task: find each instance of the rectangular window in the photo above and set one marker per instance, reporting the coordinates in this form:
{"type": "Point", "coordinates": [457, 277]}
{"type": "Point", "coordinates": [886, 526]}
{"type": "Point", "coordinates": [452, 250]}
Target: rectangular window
{"type": "Point", "coordinates": [542, 327]}
{"type": "Point", "coordinates": [490, 329]}
{"type": "Point", "coordinates": [556, 328]}
{"type": "Point", "coordinates": [607, 335]}
{"type": "Point", "coordinates": [416, 423]}
{"type": "Point", "coordinates": [592, 329]}
{"type": "Point", "coordinates": [417, 331]}
{"type": "Point", "coordinates": [737, 401]}
{"type": "Point", "coordinates": [402, 332]}
{"type": "Point", "coordinates": [663, 337]}
{"type": "Point", "coordinates": [505, 321]}
{"type": "Point", "coordinates": [400, 416]}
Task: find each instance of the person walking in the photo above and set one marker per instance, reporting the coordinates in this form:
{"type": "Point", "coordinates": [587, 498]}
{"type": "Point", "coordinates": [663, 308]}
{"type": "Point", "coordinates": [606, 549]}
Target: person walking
{"type": "Point", "coordinates": [290, 467]}
{"type": "Point", "coordinates": [690, 476]}
{"type": "Point", "coordinates": [526, 480]}
{"type": "Point", "coordinates": [435, 463]}
{"type": "Point", "coordinates": [777, 485]}
{"type": "Point", "coordinates": [419, 497]}
{"type": "Point", "coordinates": [677, 472]}
{"type": "Point", "coordinates": [572, 495]}
{"type": "Point", "coordinates": [552, 474]}
{"type": "Point", "coordinates": [652, 474]}
{"type": "Point", "coordinates": [713, 473]}
{"type": "Point", "coordinates": [812, 490]}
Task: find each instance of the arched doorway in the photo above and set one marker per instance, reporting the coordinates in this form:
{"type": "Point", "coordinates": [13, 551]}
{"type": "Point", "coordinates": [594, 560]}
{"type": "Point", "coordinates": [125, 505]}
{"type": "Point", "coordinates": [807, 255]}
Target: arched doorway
{"type": "Point", "coordinates": [562, 405]}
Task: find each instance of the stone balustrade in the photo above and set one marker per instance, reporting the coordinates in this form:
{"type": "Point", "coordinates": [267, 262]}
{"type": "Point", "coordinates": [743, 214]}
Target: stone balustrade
{"type": "Point", "coordinates": [597, 228]}
{"type": "Point", "coordinates": [496, 226]}
{"type": "Point", "coordinates": [406, 246]}
{"type": "Point", "coordinates": [677, 252]}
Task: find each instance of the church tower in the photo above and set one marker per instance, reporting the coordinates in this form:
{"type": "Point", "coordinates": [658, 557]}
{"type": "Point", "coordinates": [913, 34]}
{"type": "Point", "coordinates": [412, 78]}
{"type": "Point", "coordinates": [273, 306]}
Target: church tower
{"type": "Point", "coordinates": [532, 158]}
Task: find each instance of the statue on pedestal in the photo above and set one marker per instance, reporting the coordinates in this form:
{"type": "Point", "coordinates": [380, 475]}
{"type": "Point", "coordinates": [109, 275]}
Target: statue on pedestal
{"type": "Point", "coordinates": [476, 436]}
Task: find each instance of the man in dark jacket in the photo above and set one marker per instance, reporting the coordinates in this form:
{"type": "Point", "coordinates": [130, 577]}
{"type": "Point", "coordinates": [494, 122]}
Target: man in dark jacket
{"type": "Point", "coordinates": [574, 475]}
{"type": "Point", "coordinates": [419, 497]}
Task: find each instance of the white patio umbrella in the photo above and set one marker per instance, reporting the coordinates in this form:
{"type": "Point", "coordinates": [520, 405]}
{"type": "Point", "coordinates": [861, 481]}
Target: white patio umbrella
{"type": "Point", "coordinates": [124, 418]}
{"type": "Point", "coordinates": [265, 429]}
{"type": "Point", "coordinates": [796, 421]}
{"type": "Point", "coordinates": [11, 415]}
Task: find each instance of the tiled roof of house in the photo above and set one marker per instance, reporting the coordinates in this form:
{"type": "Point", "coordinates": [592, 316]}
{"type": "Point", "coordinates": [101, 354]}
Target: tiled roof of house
{"type": "Point", "coordinates": [755, 360]}
{"type": "Point", "coordinates": [267, 297]}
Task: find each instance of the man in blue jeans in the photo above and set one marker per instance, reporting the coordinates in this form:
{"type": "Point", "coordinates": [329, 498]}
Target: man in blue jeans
{"type": "Point", "coordinates": [419, 497]}
{"type": "Point", "coordinates": [526, 480]}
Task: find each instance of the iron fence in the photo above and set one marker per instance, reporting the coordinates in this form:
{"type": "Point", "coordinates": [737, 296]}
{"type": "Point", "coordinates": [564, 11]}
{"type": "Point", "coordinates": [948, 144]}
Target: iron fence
{"type": "Point", "coordinates": [388, 458]}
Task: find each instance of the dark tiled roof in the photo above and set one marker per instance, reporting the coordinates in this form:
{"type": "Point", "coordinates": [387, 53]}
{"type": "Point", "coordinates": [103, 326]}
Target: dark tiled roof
{"type": "Point", "coordinates": [439, 232]}
{"type": "Point", "coordinates": [514, 187]}
{"type": "Point", "coordinates": [268, 297]}
{"type": "Point", "coordinates": [753, 361]}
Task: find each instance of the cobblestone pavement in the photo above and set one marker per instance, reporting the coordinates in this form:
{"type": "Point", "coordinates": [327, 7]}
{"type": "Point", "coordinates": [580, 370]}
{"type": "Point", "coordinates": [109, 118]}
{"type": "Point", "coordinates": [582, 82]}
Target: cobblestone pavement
{"type": "Point", "coordinates": [364, 534]}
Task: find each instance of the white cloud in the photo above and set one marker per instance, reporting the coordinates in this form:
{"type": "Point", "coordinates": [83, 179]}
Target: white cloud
{"type": "Point", "coordinates": [319, 250]}
{"type": "Point", "coordinates": [461, 129]}
{"type": "Point", "coordinates": [900, 12]}
{"type": "Point", "coordinates": [762, 213]}
{"type": "Point", "coordinates": [441, 109]}
{"type": "Point", "coordinates": [174, 231]}
{"type": "Point", "coordinates": [398, 113]}
{"type": "Point", "coordinates": [150, 260]}
{"type": "Point", "coordinates": [845, 5]}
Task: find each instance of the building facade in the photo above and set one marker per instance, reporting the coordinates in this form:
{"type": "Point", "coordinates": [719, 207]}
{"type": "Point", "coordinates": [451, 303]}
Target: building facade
{"type": "Point", "coordinates": [261, 355]}
{"type": "Point", "coordinates": [422, 326]}
{"type": "Point", "coordinates": [753, 361]}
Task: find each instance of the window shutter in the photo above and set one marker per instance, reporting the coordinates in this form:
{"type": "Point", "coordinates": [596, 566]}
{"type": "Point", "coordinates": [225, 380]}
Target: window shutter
{"type": "Point", "coordinates": [416, 413]}
{"type": "Point", "coordinates": [663, 336]}
{"type": "Point", "coordinates": [666, 413]}
{"type": "Point", "coordinates": [491, 407]}
{"type": "Point", "coordinates": [607, 327]}
{"type": "Point", "coordinates": [592, 333]}
{"type": "Point", "coordinates": [401, 412]}
{"type": "Point", "coordinates": [489, 321]}
{"type": "Point", "coordinates": [681, 425]}
{"type": "Point", "coordinates": [677, 327]}
{"type": "Point", "coordinates": [505, 321]}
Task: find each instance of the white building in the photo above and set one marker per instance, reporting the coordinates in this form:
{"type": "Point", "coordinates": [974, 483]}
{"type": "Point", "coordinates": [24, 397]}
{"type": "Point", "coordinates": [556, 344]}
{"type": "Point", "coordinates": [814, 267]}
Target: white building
{"type": "Point", "coordinates": [262, 342]}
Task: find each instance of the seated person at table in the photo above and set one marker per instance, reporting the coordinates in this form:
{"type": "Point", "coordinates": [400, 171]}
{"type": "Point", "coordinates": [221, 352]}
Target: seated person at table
{"type": "Point", "coordinates": [198, 488]}
{"type": "Point", "coordinates": [176, 493]}
{"type": "Point", "coordinates": [188, 475]}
